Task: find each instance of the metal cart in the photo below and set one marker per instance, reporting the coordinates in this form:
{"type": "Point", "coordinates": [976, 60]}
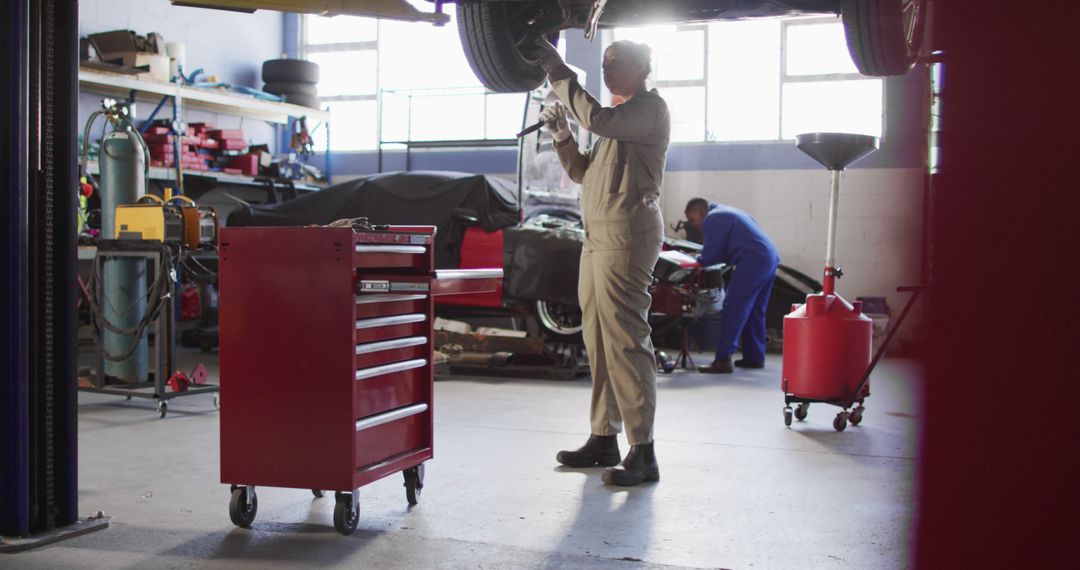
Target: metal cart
{"type": "Point", "coordinates": [326, 359]}
{"type": "Point", "coordinates": [165, 327]}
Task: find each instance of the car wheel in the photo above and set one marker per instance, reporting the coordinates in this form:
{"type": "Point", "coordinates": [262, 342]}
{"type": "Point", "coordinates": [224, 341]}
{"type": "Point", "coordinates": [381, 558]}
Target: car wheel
{"type": "Point", "coordinates": [292, 88]}
{"type": "Point", "coordinates": [559, 322]}
{"type": "Point", "coordinates": [884, 36]}
{"type": "Point", "coordinates": [490, 32]}
{"type": "Point", "coordinates": [310, 101]}
{"type": "Point", "coordinates": [290, 71]}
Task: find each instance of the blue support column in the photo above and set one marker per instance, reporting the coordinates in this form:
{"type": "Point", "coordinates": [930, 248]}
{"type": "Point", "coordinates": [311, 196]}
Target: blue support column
{"type": "Point", "coordinates": [14, 372]}
{"type": "Point", "coordinates": [38, 209]}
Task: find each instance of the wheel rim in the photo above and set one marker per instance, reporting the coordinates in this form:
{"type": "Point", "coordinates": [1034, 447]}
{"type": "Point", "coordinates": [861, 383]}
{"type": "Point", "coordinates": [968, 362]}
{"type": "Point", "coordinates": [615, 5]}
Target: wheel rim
{"type": "Point", "coordinates": [558, 318]}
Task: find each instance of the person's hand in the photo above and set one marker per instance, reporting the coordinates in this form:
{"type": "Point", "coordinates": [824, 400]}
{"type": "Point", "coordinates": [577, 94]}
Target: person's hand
{"type": "Point", "coordinates": [554, 118]}
{"type": "Point", "coordinates": [547, 55]}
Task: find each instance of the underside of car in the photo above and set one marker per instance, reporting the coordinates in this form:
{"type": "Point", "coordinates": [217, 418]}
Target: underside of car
{"type": "Point", "coordinates": [884, 36]}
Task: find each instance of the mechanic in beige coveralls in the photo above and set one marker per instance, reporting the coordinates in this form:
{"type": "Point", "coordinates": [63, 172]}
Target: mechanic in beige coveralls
{"type": "Point", "coordinates": [620, 199]}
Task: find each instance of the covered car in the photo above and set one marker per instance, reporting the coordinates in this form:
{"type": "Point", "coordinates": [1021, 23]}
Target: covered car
{"type": "Point", "coordinates": [450, 201]}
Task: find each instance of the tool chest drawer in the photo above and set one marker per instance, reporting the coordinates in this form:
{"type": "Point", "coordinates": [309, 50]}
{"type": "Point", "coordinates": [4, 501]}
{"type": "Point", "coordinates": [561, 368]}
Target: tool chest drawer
{"type": "Point", "coordinates": [389, 386]}
{"type": "Point", "coordinates": [391, 434]}
{"type": "Point", "coordinates": [376, 329]}
{"type": "Point", "coordinates": [377, 250]}
{"type": "Point", "coordinates": [381, 305]}
{"type": "Point", "coordinates": [388, 351]}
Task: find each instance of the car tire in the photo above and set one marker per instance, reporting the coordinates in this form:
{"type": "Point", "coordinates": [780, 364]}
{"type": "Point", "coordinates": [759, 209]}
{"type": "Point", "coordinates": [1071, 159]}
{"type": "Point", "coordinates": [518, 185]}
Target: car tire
{"type": "Point", "coordinates": [487, 37]}
{"type": "Point", "coordinates": [559, 323]}
{"type": "Point", "coordinates": [884, 36]}
{"type": "Point", "coordinates": [294, 88]}
{"type": "Point", "coordinates": [290, 71]}
{"type": "Point", "coordinates": [309, 101]}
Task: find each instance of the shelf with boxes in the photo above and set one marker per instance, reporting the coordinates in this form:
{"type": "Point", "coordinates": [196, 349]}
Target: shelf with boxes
{"type": "Point", "coordinates": [220, 154]}
{"type": "Point", "coordinates": [206, 99]}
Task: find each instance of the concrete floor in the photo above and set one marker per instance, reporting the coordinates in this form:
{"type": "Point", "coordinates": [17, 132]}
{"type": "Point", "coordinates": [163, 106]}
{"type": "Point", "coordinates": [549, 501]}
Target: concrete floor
{"type": "Point", "coordinates": [737, 489]}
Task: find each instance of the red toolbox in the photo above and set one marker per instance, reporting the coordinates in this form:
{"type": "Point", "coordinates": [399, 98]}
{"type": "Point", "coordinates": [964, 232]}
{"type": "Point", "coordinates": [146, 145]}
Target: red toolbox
{"type": "Point", "coordinates": [326, 359]}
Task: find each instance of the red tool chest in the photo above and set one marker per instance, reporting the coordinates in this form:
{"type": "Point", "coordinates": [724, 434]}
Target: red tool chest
{"type": "Point", "coordinates": [326, 359]}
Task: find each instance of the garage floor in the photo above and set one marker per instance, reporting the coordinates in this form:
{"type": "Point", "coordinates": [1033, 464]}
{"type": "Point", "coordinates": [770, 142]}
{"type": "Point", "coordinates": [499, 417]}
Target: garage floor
{"type": "Point", "coordinates": [737, 489]}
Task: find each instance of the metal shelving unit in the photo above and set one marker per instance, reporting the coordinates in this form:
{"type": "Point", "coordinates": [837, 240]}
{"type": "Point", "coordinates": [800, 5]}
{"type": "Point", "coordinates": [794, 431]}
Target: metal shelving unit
{"type": "Point", "coordinates": [214, 100]}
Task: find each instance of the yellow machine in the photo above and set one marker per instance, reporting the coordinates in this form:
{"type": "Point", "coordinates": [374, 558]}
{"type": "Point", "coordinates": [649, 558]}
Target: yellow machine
{"type": "Point", "coordinates": [150, 219]}
{"type": "Point", "coordinates": [175, 219]}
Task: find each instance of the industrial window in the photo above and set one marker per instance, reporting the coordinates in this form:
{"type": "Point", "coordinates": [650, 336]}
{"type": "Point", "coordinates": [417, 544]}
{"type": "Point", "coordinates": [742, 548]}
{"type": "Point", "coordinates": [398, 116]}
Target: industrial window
{"type": "Point", "coordinates": [346, 49]}
{"type": "Point", "coordinates": [381, 88]}
{"type": "Point", "coordinates": [759, 80]}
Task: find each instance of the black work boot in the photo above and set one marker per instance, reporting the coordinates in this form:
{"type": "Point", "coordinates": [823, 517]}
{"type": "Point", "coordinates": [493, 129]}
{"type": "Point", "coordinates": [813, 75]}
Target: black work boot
{"type": "Point", "coordinates": [719, 366]}
{"type": "Point", "coordinates": [602, 450]}
{"type": "Point", "coordinates": [639, 465]}
{"type": "Point", "coordinates": [744, 363]}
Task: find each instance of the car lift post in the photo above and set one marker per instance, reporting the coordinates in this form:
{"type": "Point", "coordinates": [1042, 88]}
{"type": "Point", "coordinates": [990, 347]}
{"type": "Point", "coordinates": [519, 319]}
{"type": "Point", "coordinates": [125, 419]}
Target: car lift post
{"type": "Point", "coordinates": [38, 454]}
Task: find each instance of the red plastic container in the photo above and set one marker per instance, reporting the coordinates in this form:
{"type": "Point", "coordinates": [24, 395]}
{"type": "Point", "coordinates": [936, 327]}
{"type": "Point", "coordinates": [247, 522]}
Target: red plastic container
{"type": "Point", "coordinates": [827, 349]}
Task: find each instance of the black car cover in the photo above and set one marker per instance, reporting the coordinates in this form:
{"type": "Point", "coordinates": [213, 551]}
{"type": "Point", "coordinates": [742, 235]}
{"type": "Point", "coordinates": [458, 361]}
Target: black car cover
{"type": "Point", "coordinates": [542, 261]}
{"type": "Point", "coordinates": [400, 198]}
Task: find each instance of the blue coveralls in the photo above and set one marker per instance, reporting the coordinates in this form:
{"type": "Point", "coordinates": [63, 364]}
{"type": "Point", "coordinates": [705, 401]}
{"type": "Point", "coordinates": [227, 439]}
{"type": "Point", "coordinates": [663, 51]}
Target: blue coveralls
{"type": "Point", "coordinates": [731, 236]}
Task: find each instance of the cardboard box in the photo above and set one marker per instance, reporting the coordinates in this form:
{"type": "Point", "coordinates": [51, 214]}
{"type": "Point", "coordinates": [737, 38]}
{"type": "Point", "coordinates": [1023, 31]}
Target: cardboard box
{"type": "Point", "coordinates": [158, 64]}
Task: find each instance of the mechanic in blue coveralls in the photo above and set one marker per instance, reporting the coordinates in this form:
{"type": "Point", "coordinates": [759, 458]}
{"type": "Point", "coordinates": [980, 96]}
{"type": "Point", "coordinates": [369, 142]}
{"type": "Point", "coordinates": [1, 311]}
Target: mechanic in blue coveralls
{"type": "Point", "coordinates": [731, 236]}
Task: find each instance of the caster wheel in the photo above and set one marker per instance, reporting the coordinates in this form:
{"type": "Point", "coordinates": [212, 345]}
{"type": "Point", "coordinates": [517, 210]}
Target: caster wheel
{"type": "Point", "coordinates": [801, 410]}
{"type": "Point", "coordinates": [856, 416]}
{"type": "Point", "coordinates": [840, 421]}
{"type": "Point", "coordinates": [241, 513]}
{"type": "Point", "coordinates": [345, 518]}
{"type": "Point", "coordinates": [414, 483]}
{"type": "Point", "coordinates": [162, 408]}
{"type": "Point", "coordinates": [128, 398]}
{"type": "Point", "coordinates": [217, 403]}
{"type": "Point", "coordinates": [317, 493]}
{"type": "Point", "coordinates": [787, 416]}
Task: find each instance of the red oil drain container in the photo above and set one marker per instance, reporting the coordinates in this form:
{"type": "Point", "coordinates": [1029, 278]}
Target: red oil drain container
{"type": "Point", "coordinates": [827, 340]}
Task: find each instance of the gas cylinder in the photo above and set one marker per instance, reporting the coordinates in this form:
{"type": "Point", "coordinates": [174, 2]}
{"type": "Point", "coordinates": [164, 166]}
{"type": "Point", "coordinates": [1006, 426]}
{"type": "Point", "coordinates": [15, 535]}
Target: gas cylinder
{"type": "Point", "coordinates": [122, 182]}
{"type": "Point", "coordinates": [827, 348]}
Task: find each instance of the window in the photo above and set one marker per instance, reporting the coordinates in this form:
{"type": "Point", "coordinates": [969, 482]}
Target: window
{"type": "Point", "coordinates": [346, 49]}
{"type": "Point", "coordinates": [678, 64]}
{"type": "Point", "coordinates": [380, 87]}
{"type": "Point", "coordinates": [759, 80]}
{"type": "Point", "coordinates": [822, 90]}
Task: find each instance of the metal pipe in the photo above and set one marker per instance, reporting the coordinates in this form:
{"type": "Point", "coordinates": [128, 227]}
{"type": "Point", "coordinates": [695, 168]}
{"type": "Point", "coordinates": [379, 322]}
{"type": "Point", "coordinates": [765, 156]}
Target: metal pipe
{"type": "Point", "coordinates": [834, 204]}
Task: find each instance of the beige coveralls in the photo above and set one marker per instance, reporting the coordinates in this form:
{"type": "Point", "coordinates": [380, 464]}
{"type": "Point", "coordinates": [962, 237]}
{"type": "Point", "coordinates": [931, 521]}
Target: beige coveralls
{"type": "Point", "coordinates": [620, 201]}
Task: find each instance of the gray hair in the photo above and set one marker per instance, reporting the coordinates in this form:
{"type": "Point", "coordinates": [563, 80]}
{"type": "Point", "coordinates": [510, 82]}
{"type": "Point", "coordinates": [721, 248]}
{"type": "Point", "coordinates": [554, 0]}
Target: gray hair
{"type": "Point", "coordinates": [640, 54]}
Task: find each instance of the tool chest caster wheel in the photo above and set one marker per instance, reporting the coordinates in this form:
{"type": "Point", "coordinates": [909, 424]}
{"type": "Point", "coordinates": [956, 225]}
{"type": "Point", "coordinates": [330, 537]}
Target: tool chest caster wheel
{"type": "Point", "coordinates": [217, 403]}
{"type": "Point", "coordinates": [345, 515]}
{"type": "Point", "coordinates": [162, 408]}
{"type": "Point", "coordinates": [128, 398]}
{"type": "Point", "coordinates": [840, 421]}
{"type": "Point", "coordinates": [414, 483]}
{"type": "Point", "coordinates": [787, 416]}
{"type": "Point", "coordinates": [801, 410]}
{"type": "Point", "coordinates": [318, 493]}
{"type": "Point", "coordinates": [856, 416]}
{"type": "Point", "coordinates": [242, 513]}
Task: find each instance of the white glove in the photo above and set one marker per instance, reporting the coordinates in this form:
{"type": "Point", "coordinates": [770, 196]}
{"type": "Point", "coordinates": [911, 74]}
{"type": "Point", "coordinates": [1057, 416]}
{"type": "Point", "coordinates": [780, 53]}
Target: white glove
{"type": "Point", "coordinates": [554, 118]}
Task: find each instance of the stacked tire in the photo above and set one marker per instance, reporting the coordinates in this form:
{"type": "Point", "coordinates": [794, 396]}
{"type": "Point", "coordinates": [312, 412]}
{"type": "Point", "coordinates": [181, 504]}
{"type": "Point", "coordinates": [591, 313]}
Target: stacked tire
{"type": "Point", "coordinates": [296, 80]}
